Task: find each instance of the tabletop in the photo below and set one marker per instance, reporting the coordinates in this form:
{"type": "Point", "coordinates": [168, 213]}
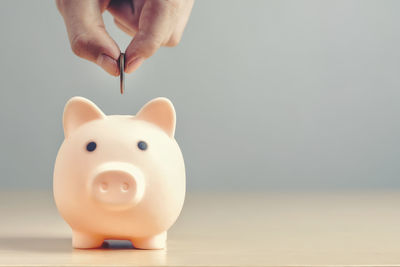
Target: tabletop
{"type": "Point", "coordinates": [221, 229]}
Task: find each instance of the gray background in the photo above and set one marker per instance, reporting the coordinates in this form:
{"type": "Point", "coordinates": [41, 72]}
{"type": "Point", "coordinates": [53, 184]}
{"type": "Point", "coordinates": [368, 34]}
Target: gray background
{"type": "Point", "coordinates": [270, 95]}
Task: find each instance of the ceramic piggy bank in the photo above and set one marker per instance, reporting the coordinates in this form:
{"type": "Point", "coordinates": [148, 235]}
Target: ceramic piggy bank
{"type": "Point", "coordinates": [119, 177]}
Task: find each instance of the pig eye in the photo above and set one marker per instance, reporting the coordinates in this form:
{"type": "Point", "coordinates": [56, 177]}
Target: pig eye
{"type": "Point", "coordinates": [142, 145]}
{"type": "Point", "coordinates": [91, 146]}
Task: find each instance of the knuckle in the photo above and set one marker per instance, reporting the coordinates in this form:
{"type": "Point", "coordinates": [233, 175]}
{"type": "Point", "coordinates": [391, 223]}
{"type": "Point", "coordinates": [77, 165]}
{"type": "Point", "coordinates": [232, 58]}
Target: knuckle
{"type": "Point", "coordinates": [174, 40]}
{"type": "Point", "coordinates": [151, 48]}
{"type": "Point", "coordinates": [79, 44]}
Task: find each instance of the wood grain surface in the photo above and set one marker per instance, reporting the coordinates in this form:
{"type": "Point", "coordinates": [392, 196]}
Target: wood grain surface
{"type": "Point", "coordinates": [221, 229]}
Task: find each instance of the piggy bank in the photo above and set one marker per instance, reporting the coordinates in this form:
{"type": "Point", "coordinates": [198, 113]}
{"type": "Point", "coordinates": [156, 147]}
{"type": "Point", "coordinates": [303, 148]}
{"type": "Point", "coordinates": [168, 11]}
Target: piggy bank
{"type": "Point", "coordinates": [119, 177]}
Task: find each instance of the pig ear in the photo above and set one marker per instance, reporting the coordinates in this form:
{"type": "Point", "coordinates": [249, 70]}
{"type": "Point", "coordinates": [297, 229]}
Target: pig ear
{"type": "Point", "coordinates": [160, 112]}
{"type": "Point", "coordinates": [79, 111]}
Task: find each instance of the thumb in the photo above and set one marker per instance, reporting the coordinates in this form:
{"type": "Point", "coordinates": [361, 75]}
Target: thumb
{"type": "Point", "coordinates": [87, 34]}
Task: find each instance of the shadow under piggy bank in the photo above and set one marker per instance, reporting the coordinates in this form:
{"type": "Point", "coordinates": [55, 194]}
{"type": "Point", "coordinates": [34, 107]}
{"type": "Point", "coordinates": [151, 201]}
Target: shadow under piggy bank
{"type": "Point", "coordinates": [119, 252]}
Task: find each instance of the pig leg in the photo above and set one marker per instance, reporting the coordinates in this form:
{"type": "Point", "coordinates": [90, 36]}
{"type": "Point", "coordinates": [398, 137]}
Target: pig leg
{"type": "Point", "coordinates": [153, 242]}
{"type": "Point", "coordinates": [84, 240]}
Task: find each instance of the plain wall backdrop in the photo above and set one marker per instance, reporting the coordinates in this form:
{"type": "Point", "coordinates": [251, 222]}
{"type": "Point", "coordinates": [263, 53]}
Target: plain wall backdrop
{"type": "Point", "coordinates": [270, 95]}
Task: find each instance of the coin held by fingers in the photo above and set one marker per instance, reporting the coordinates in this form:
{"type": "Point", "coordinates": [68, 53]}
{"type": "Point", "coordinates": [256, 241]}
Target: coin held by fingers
{"type": "Point", "coordinates": [122, 72]}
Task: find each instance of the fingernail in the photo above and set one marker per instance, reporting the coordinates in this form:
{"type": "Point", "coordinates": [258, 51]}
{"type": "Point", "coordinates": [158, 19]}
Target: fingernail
{"type": "Point", "coordinates": [108, 64]}
{"type": "Point", "coordinates": [134, 64]}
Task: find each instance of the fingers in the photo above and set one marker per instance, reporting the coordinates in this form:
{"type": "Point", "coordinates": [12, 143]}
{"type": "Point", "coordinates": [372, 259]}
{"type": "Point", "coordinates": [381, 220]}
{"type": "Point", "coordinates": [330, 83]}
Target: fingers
{"type": "Point", "coordinates": [126, 13]}
{"type": "Point", "coordinates": [124, 28]}
{"type": "Point", "coordinates": [181, 23]}
{"type": "Point", "coordinates": [155, 27]}
{"type": "Point", "coordinates": [87, 34]}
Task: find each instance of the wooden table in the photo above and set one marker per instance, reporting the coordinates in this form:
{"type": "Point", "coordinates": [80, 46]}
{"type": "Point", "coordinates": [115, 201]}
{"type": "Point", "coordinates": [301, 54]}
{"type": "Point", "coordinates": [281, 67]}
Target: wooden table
{"type": "Point", "coordinates": [222, 229]}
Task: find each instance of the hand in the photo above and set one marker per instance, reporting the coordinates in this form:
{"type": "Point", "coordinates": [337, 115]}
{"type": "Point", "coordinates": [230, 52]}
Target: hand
{"type": "Point", "coordinates": [152, 23]}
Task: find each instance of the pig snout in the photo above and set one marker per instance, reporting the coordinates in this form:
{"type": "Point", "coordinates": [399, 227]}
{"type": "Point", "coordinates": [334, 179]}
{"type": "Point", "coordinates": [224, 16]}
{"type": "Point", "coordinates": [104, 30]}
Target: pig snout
{"type": "Point", "coordinates": [117, 185]}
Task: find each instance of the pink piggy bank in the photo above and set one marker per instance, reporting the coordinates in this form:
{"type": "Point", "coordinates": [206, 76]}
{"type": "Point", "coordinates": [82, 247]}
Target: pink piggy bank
{"type": "Point", "coordinates": [119, 177]}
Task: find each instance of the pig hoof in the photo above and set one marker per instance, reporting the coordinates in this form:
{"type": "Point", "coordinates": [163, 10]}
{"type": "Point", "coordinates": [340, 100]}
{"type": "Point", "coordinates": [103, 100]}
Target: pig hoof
{"type": "Point", "coordinates": [154, 242]}
{"type": "Point", "coordinates": [81, 240]}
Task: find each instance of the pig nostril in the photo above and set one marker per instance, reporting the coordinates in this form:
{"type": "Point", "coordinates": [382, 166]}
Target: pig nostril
{"type": "Point", "coordinates": [103, 187]}
{"type": "Point", "coordinates": [124, 187]}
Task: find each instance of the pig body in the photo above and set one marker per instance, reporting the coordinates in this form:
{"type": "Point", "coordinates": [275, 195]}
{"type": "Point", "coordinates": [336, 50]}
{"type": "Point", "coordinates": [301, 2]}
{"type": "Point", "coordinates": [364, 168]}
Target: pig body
{"type": "Point", "coordinates": [119, 177]}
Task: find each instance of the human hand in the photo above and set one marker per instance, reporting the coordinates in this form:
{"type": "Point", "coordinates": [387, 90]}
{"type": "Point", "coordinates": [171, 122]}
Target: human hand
{"type": "Point", "coordinates": [152, 23]}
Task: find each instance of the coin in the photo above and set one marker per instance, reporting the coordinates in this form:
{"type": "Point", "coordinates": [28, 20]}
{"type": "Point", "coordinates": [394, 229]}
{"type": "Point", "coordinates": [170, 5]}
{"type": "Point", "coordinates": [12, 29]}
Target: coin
{"type": "Point", "coordinates": [122, 72]}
